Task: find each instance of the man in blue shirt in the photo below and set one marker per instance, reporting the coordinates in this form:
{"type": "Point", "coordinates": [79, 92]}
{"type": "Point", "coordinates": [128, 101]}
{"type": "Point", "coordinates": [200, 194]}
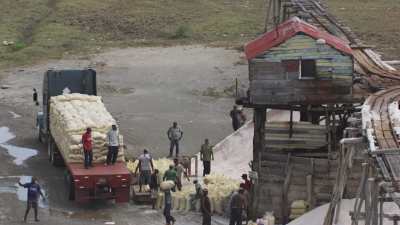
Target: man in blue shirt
{"type": "Point", "coordinates": [34, 191]}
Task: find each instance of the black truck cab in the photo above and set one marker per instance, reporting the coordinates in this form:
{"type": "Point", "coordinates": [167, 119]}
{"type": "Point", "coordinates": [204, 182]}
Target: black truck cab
{"type": "Point", "coordinates": [57, 82]}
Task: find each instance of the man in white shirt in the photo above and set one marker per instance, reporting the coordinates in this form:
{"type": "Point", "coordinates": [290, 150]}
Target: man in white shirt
{"type": "Point", "coordinates": [145, 167]}
{"type": "Point", "coordinates": [113, 145]}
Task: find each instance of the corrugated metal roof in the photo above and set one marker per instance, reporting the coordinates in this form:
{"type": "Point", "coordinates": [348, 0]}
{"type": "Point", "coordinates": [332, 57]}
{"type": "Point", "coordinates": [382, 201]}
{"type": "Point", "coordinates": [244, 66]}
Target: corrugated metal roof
{"type": "Point", "coordinates": [288, 29]}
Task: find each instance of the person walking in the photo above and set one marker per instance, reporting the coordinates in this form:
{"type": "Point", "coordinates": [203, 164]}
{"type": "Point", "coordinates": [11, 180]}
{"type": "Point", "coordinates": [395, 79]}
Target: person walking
{"type": "Point", "coordinates": [169, 219]}
{"type": "Point", "coordinates": [87, 147]}
{"type": "Point", "coordinates": [206, 155]}
{"type": "Point", "coordinates": [196, 196]}
{"type": "Point", "coordinates": [113, 145]}
{"type": "Point", "coordinates": [145, 166]}
{"type": "Point", "coordinates": [246, 182]}
{"type": "Point", "coordinates": [174, 134]}
{"type": "Point", "coordinates": [170, 174]}
{"type": "Point", "coordinates": [154, 186]}
{"type": "Point", "coordinates": [34, 191]}
{"type": "Point", "coordinates": [180, 170]}
{"type": "Point", "coordinates": [206, 208]}
{"type": "Point", "coordinates": [237, 205]}
{"type": "Point", "coordinates": [35, 97]}
{"type": "Point", "coordinates": [235, 116]}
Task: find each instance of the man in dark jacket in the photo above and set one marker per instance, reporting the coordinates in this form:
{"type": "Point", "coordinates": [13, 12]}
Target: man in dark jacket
{"type": "Point", "coordinates": [206, 208]}
{"type": "Point", "coordinates": [169, 219]}
{"type": "Point", "coordinates": [206, 155]}
{"type": "Point", "coordinates": [237, 205]}
{"type": "Point", "coordinates": [35, 97]}
{"type": "Point", "coordinates": [235, 115]}
{"type": "Point", "coordinates": [34, 191]}
{"type": "Point", "coordinates": [154, 185]}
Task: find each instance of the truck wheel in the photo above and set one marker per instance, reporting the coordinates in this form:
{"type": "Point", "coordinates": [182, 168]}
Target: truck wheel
{"type": "Point", "coordinates": [70, 186]}
{"type": "Point", "coordinates": [52, 158]}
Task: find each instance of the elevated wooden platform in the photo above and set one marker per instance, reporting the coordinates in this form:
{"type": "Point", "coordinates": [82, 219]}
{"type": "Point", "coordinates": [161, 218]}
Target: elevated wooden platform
{"type": "Point", "coordinates": [301, 135]}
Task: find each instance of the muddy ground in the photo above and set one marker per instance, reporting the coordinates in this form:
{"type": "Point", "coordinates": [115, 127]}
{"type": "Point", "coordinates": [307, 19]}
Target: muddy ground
{"type": "Point", "coordinates": [145, 89]}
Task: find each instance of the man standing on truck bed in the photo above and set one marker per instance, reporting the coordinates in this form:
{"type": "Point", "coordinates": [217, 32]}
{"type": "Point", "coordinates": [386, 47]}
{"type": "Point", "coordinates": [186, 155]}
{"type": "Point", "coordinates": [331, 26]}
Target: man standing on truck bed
{"type": "Point", "coordinates": [113, 145]}
{"type": "Point", "coordinates": [87, 147]}
{"type": "Point", "coordinates": [175, 134]}
{"type": "Point", "coordinates": [34, 191]}
{"type": "Point", "coordinates": [145, 167]}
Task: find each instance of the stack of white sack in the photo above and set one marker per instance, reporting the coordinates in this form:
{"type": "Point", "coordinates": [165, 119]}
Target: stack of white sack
{"type": "Point", "coordinates": [298, 208]}
{"type": "Point", "coordinates": [70, 115]}
{"type": "Point", "coordinates": [220, 188]}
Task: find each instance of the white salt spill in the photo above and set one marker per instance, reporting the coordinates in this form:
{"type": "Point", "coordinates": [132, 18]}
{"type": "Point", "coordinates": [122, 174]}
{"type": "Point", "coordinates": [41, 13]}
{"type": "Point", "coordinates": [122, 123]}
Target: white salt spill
{"type": "Point", "coordinates": [317, 215]}
{"type": "Point", "coordinates": [234, 153]}
{"type": "Point", "coordinates": [14, 115]}
{"type": "Point", "coordinates": [19, 153]}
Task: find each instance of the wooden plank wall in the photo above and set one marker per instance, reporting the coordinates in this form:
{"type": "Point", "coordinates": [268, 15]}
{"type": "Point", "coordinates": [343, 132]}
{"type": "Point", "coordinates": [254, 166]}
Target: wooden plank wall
{"type": "Point", "coordinates": [272, 83]}
{"type": "Point", "coordinates": [330, 62]}
{"type": "Point", "coordinates": [323, 171]}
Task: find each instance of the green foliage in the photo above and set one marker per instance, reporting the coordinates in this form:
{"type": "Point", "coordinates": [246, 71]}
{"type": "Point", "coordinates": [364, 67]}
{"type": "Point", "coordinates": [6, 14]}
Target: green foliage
{"type": "Point", "coordinates": [183, 31]}
{"type": "Point", "coordinates": [51, 29]}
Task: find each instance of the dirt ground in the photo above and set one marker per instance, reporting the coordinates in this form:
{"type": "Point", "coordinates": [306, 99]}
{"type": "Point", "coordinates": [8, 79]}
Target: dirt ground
{"type": "Point", "coordinates": [145, 89]}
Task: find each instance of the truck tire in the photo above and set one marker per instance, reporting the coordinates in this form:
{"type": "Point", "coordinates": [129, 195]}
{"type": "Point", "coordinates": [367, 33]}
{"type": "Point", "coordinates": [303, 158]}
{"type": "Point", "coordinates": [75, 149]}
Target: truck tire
{"type": "Point", "coordinates": [55, 157]}
{"type": "Point", "coordinates": [70, 186]}
{"type": "Point", "coordinates": [49, 148]}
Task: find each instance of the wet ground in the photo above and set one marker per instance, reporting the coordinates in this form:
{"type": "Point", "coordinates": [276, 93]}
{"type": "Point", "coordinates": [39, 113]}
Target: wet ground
{"type": "Point", "coordinates": [145, 89]}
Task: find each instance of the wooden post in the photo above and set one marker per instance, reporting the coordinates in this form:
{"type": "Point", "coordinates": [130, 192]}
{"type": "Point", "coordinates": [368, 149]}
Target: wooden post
{"type": "Point", "coordinates": [291, 123]}
{"type": "Point", "coordinates": [310, 192]}
{"type": "Point", "coordinates": [260, 116]}
{"type": "Point", "coordinates": [268, 14]}
{"type": "Point", "coordinates": [380, 211]}
{"type": "Point", "coordinates": [286, 184]}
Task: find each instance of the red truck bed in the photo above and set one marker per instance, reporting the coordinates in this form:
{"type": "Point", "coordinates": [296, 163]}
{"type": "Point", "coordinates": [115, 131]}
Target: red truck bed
{"type": "Point", "coordinates": [77, 169]}
{"type": "Point", "coordinates": [100, 182]}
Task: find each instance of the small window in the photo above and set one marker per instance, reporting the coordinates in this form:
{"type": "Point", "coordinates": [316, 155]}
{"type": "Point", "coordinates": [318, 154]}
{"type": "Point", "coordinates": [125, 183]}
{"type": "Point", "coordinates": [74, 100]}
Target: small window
{"type": "Point", "coordinates": [308, 69]}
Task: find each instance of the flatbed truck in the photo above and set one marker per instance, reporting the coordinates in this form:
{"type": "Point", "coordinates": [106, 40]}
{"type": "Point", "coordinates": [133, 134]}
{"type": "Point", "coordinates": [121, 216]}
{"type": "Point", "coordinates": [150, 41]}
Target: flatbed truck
{"type": "Point", "coordinates": [83, 185]}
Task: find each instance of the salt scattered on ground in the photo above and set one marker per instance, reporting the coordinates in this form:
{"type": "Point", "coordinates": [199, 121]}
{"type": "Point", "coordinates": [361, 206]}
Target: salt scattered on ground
{"type": "Point", "coordinates": [19, 153]}
{"type": "Point", "coordinates": [14, 115]}
{"type": "Point", "coordinates": [234, 153]}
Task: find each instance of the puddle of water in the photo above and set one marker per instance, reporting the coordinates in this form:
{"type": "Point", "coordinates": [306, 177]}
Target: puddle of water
{"type": "Point", "coordinates": [14, 115]}
{"type": "Point", "coordinates": [19, 153]}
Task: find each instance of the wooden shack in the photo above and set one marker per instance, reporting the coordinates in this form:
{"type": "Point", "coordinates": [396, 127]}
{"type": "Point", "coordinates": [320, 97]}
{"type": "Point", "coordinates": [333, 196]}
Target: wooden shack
{"type": "Point", "coordinates": [296, 63]}
{"type": "Point", "coordinates": [299, 68]}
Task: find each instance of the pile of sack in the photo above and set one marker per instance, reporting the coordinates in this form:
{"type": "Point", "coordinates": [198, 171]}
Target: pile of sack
{"type": "Point", "coordinates": [267, 219]}
{"type": "Point", "coordinates": [298, 208]}
{"type": "Point", "coordinates": [220, 189]}
{"type": "Point", "coordinates": [70, 115]}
